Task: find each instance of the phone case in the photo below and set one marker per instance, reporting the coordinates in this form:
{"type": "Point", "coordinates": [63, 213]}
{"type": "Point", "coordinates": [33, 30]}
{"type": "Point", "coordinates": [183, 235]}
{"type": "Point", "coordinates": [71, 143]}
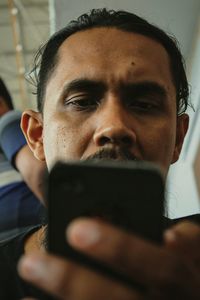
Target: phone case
{"type": "Point", "coordinates": [129, 195]}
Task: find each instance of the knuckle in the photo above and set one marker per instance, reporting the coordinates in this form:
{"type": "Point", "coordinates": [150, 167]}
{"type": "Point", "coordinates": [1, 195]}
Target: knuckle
{"type": "Point", "coordinates": [61, 287]}
{"type": "Point", "coordinates": [173, 278]}
{"type": "Point", "coordinates": [120, 249]}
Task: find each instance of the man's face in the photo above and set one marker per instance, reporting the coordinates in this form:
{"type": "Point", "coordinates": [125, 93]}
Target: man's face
{"type": "Point", "coordinates": [112, 90]}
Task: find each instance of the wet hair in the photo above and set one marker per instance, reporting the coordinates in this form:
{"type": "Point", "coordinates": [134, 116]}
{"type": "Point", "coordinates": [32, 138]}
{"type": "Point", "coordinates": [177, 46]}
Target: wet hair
{"type": "Point", "coordinates": [47, 56]}
{"type": "Point", "coordinates": [4, 93]}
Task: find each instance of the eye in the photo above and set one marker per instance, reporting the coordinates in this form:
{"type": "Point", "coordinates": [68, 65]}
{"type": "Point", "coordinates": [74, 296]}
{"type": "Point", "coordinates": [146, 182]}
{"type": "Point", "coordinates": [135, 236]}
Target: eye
{"type": "Point", "coordinates": [81, 102]}
{"type": "Point", "coordinates": [144, 105]}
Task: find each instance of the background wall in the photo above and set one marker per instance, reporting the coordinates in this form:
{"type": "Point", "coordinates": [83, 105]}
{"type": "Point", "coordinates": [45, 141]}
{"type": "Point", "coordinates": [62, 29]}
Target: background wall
{"type": "Point", "coordinates": [24, 25]}
{"type": "Point", "coordinates": [178, 16]}
{"type": "Point", "coordinates": [181, 18]}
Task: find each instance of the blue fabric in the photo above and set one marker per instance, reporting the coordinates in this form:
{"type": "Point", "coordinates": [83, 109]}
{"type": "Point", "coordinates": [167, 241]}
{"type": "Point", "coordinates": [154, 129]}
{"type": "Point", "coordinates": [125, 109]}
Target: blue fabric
{"type": "Point", "coordinates": [19, 207]}
{"type": "Point", "coordinates": [12, 140]}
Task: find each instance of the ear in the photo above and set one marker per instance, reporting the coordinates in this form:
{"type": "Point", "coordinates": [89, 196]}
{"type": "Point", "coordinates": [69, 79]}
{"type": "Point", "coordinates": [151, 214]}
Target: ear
{"type": "Point", "coordinates": [181, 130]}
{"type": "Point", "coordinates": [32, 127]}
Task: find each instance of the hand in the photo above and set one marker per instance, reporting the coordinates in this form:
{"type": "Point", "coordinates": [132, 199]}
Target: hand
{"type": "Point", "coordinates": [171, 271]}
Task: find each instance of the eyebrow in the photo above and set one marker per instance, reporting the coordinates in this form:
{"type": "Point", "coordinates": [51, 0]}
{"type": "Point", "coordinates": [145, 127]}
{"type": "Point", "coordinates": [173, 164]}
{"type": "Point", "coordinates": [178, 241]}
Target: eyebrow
{"type": "Point", "coordinates": [144, 88]}
{"type": "Point", "coordinates": [95, 86]}
{"type": "Point", "coordinates": [84, 85]}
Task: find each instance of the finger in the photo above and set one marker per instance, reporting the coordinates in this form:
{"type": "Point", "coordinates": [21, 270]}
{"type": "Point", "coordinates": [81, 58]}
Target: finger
{"type": "Point", "coordinates": [146, 263]}
{"type": "Point", "coordinates": [113, 246]}
{"type": "Point", "coordinates": [69, 281]}
{"type": "Point", "coordinates": [28, 299]}
{"type": "Point", "coordinates": [184, 238]}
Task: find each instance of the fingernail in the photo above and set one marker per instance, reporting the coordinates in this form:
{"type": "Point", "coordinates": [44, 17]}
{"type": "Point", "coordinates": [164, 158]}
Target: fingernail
{"type": "Point", "coordinates": [83, 233]}
{"type": "Point", "coordinates": [30, 267]}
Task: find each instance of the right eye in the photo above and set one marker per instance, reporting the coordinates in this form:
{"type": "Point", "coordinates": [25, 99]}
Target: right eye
{"type": "Point", "coordinates": [81, 103]}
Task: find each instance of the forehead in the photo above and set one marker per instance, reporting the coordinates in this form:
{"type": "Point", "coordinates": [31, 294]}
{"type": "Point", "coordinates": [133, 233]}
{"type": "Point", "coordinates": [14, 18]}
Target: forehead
{"type": "Point", "coordinates": [111, 55]}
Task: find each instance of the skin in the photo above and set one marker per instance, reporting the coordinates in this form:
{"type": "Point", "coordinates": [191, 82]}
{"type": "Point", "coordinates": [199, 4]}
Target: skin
{"type": "Point", "coordinates": [32, 170]}
{"type": "Point", "coordinates": [170, 271]}
{"type": "Point", "coordinates": [146, 124]}
{"type": "Point", "coordinates": [78, 130]}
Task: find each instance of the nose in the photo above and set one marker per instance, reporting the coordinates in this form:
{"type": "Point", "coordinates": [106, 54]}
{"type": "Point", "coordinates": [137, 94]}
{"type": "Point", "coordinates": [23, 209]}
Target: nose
{"type": "Point", "coordinates": [114, 127]}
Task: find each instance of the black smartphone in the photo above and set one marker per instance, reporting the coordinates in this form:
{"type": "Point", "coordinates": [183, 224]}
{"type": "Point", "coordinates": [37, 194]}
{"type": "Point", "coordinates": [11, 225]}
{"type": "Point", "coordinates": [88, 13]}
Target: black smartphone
{"type": "Point", "coordinates": [129, 195]}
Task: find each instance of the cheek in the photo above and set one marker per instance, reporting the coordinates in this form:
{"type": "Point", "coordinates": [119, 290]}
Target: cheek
{"type": "Point", "coordinates": [59, 143]}
{"type": "Point", "coordinates": [160, 144]}
{"type": "Point", "coordinates": [64, 141]}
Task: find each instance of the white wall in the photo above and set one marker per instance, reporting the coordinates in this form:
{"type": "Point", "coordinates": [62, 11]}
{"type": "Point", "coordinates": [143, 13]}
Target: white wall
{"type": "Point", "coordinates": [183, 196]}
{"type": "Point", "coordinates": [179, 17]}
{"type": "Point", "coordinates": [176, 16]}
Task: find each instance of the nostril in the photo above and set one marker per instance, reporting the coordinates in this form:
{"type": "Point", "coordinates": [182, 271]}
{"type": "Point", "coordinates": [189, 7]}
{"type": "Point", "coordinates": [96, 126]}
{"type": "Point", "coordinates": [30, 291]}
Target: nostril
{"type": "Point", "coordinates": [104, 140]}
{"type": "Point", "coordinates": [114, 135]}
{"type": "Point", "coordinates": [119, 140]}
{"type": "Point", "coordinates": [126, 140]}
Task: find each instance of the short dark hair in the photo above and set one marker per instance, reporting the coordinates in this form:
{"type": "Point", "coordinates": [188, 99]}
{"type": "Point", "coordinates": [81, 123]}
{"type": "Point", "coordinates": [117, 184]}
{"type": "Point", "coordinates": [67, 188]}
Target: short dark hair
{"type": "Point", "coordinates": [4, 93]}
{"type": "Point", "coordinates": [46, 58]}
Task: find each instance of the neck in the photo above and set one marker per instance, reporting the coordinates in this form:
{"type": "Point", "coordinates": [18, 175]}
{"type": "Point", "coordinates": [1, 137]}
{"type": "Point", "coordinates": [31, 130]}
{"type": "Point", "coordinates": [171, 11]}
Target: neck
{"type": "Point", "coordinates": [34, 242]}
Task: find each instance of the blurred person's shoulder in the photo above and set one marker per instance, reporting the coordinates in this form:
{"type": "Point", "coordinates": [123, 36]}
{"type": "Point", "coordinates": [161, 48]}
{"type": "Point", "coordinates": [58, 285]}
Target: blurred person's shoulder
{"type": "Point", "coordinates": [11, 249]}
{"type": "Point", "coordinates": [9, 117]}
{"type": "Point", "coordinates": [12, 242]}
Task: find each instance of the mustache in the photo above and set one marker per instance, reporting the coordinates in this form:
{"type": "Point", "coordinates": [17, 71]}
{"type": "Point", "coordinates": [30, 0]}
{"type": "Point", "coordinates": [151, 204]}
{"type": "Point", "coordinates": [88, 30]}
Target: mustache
{"type": "Point", "coordinates": [113, 154]}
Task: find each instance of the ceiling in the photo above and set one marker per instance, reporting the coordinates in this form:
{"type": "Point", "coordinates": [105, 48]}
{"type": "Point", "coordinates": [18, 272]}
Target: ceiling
{"type": "Point", "coordinates": [24, 26]}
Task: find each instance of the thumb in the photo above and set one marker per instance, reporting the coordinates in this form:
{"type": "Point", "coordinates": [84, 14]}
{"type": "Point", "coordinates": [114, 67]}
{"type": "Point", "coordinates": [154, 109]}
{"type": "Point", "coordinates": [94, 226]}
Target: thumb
{"type": "Point", "coordinates": [184, 238]}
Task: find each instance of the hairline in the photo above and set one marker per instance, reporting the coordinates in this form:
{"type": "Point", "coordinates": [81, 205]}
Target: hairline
{"type": "Point", "coordinates": [57, 55]}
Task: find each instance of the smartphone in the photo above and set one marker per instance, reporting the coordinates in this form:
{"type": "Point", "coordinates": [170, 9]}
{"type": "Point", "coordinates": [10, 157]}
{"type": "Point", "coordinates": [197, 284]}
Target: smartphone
{"type": "Point", "coordinates": [130, 195]}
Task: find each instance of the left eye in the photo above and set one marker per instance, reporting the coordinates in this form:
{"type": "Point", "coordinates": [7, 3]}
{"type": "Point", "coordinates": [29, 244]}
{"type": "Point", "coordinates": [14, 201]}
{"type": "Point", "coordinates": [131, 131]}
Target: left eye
{"type": "Point", "coordinates": [143, 105]}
